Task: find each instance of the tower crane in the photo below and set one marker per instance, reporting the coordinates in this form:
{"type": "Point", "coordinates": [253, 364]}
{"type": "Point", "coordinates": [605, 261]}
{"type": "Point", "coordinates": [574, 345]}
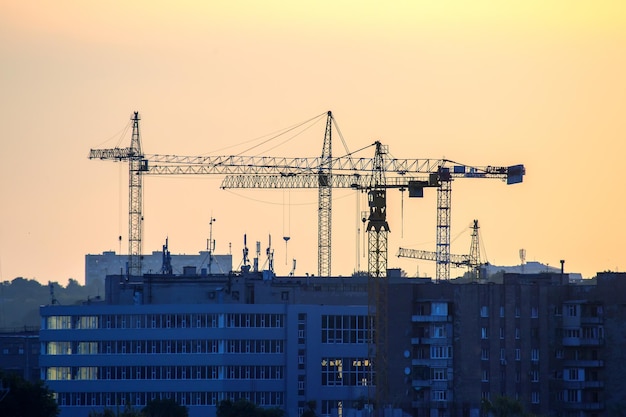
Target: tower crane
{"type": "Point", "coordinates": [140, 164]}
{"type": "Point", "coordinates": [374, 175]}
{"type": "Point", "coordinates": [471, 261]}
{"type": "Point", "coordinates": [405, 174]}
{"type": "Point", "coordinates": [137, 165]}
{"type": "Point", "coordinates": [324, 173]}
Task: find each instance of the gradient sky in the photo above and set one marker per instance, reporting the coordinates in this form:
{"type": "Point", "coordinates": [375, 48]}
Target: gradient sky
{"type": "Point", "coordinates": [541, 83]}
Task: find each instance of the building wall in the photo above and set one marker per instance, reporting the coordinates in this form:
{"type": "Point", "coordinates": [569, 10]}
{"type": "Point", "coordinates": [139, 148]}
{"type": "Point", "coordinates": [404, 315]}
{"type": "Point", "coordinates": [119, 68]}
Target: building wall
{"type": "Point", "coordinates": [102, 355]}
{"type": "Point", "coordinates": [19, 353]}
{"type": "Point", "coordinates": [97, 267]}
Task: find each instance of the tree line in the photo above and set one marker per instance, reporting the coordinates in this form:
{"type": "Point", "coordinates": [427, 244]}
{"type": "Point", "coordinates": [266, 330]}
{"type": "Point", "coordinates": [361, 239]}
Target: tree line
{"type": "Point", "coordinates": [20, 300]}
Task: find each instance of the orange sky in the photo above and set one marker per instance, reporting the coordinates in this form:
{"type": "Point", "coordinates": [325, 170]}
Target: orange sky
{"type": "Point", "coordinates": [482, 82]}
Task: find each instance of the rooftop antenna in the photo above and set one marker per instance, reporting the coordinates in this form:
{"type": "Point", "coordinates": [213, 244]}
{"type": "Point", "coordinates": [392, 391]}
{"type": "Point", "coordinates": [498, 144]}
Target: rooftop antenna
{"type": "Point", "coordinates": [53, 299]}
{"type": "Point", "coordinates": [166, 266]}
{"type": "Point", "coordinates": [245, 267]}
{"type": "Point", "coordinates": [257, 257]}
{"type": "Point", "coordinates": [293, 268]}
{"type": "Point", "coordinates": [522, 257]}
{"type": "Point", "coordinates": [211, 243]}
{"type": "Point", "coordinates": [270, 255]}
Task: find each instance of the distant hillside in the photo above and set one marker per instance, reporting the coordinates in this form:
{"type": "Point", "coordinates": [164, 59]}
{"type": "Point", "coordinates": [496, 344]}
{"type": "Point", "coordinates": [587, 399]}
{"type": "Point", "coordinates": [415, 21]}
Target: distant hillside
{"type": "Point", "coordinates": [20, 300]}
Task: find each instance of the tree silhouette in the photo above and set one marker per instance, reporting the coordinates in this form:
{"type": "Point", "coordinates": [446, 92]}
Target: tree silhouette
{"type": "Point", "coordinates": [26, 398]}
{"type": "Point", "coordinates": [244, 408]}
{"type": "Point", "coordinates": [164, 408]}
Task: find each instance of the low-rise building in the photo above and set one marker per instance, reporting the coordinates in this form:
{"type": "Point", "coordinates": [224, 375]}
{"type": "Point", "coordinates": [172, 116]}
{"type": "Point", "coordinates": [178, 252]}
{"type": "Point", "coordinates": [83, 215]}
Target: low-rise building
{"type": "Point", "coordinates": [19, 352]}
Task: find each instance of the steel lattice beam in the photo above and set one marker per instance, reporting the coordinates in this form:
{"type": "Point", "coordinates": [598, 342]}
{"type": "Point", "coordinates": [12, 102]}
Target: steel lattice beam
{"type": "Point", "coordinates": [324, 209]}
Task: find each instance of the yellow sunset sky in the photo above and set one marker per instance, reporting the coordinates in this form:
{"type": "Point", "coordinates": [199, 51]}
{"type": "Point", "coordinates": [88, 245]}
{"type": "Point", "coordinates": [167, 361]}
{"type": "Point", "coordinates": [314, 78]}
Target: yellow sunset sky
{"type": "Point", "coordinates": [541, 83]}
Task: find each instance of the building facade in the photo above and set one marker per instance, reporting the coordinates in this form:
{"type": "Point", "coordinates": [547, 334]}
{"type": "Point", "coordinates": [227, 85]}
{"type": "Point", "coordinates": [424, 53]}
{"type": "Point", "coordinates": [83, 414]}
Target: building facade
{"type": "Point", "coordinates": [98, 266]}
{"type": "Point", "coordinates": [19, 352]}
{"type": "Point", "coordinates": [280, 342]}
{"type": "Point", "coordinates": [201, 340]}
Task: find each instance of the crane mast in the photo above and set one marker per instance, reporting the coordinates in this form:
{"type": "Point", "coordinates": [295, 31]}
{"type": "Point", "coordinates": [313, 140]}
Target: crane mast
{"type": "Point", "coordinates": [377, 235]}
{"type": "Point", "coordinates": [474, 255]}
{"type": "Point", "coordinates": [136, 167]}
{"type": "Point", "coordinates": [324, 211]}
{"type": "Point", "coordinates": [442, 269]}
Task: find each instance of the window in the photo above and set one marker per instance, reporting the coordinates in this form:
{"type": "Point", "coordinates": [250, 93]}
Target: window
{"type": "Point", "coordinates": [571, 310]}
{"type": "Point", "coordinates": [440, 352]}
{"type": "Point", "coordinates": [439, 331]}
{"type": "Point", "coordinates": [439, 309]}
{"type": "Point", "coordinates": [518, 354]}
{"type": "Point", "coordinates": [534, 312]}
{"type": "Point", "coordinates": [484, 333]}
{"type": "Point", "coordinates": [484, 354]}
{"type": "Point", "coordinates": [534, 375]}
{"type": "Point", "coordinates": [439, 395]}
{"type": "Point", "coordinates": [517, 312]}
{"type": "Point", "coordinates": [485, 376]}
{"type": "Point", "coordinates": [502, 354]}
{"type": "Point", "coordinates": [517, 333]}
{"type": "Point", "coordinates": [439, 374]}
{"type": "Point", "coordinates": [574, 374]}
{"type": "Point", "coordinates": [534, 355]}
{"type": "Point", "coordinates": [501, 311]}
{"type": "Point", "coordinates": [534, 397]}
{"type": "Point", "coordinates": [572, 396]}
{"type": "Point", "coordinates": [484, 311]}
{"type": "Point", "coordinates": [571, 333]}
{"type": "Point", "coordinates": [501, 332]}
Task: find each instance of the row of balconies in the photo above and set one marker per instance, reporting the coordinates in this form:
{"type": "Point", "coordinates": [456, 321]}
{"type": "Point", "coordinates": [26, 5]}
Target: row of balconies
{"type": "Point", "coordinates": [571, 363]}
{"type": "Point", "coordinates": [581, 341]}
{"type": "Point", "coordinates": [582, 384]}
{"type": "Point", "coordinates": [429, 383]}
{"type": "Point", "coordinates": [430, 319]}
{"type": "Point", "coordinates": [430, 340]}
{"type": "Point", "coordinates": [590, 406]}
{"type": "Point", "coordinates": [430, 404]}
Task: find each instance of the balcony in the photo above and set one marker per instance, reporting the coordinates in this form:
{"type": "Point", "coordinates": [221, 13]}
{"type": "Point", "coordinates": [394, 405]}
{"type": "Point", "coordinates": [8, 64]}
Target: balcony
{"type": "Point", "coordinates": [583, 363]}
{"type": "Point", "coordinates": [435, 341]}
{"type": "Point", "coordinates": [430, 319]}
{"type": "Point", "coordinates": [440, 363]}
{"type": "Point", "coordinates": [587, 341]}
{"type": "Point", "coordinates": [422, 404]}
{"type": "Point", "coordinates": [590, 406]}
{"type": "Point", "coordinates": [421, 383]}
{"type": "Point", "coordinates": [591, 320]}
{"type": "Point", "coordinates": [582, 384]}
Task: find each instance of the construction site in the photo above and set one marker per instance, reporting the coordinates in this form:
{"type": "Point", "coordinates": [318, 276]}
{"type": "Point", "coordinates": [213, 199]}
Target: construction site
{"type": "Point", "coordinates": [375, 343]}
